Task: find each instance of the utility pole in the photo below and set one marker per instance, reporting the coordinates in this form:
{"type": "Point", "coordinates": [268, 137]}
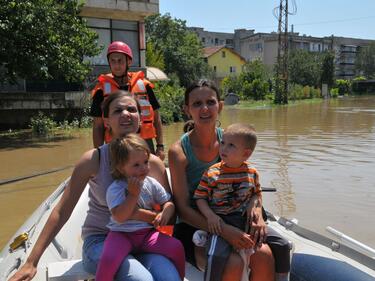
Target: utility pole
{"type": "Point", "coordinates": [281, 91]}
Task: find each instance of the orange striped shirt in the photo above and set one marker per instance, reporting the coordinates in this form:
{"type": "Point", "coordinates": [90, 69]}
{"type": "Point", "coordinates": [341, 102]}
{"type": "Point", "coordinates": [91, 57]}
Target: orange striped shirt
{"type": "Point", "coordinates": [228, 190]}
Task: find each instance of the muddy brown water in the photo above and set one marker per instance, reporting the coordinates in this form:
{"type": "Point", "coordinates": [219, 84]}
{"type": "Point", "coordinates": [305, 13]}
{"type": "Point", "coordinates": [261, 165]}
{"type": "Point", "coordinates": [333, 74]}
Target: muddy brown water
{"type": "Point", "coordinates": [319, 156]}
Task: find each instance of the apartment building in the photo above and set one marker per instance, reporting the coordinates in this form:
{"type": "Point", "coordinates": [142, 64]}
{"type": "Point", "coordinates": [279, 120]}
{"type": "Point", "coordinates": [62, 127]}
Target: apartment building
{"type": "Point", "coordinates": [263, 46]}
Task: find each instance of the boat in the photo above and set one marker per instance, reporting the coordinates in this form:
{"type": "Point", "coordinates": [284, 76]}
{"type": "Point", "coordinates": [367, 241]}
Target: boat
{"type": "Point", "coordinates": [315, 257]}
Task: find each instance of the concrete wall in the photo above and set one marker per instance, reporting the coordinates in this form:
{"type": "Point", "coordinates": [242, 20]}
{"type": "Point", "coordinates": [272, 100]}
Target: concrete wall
{"type": "Point", "coordinates": [16, 109]}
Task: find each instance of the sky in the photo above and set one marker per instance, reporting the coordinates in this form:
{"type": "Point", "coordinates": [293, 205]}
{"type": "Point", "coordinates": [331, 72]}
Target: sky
{"type": "Point", "coordinates": [346, 18]}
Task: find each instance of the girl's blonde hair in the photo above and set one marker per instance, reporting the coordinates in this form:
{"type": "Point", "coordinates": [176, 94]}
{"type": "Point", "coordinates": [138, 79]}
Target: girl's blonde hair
{"type": "Point", "coordinates": [120, 149]}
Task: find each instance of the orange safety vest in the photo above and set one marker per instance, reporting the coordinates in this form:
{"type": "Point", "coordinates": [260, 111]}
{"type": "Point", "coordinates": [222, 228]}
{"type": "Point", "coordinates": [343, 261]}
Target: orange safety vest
{"type": "Point", "coordinates": [137, 85]}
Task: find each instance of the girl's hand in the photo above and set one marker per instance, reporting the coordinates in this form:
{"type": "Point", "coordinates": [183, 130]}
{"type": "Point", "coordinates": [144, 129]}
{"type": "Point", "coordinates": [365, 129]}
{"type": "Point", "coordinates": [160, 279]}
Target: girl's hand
{"type": "Point", "coordinates": [134, 186]}
{"type": "Point", "coordinates": [164, 216]}
{"type": "Point", "coordinates": [214, 224]}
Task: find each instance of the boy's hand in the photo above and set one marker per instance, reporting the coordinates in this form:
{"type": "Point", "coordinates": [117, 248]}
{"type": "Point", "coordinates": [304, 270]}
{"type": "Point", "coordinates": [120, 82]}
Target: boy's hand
{"type": "Point", "coordinates": [214, 224]}
{"type": "Point", "coordinates": [134, 186]}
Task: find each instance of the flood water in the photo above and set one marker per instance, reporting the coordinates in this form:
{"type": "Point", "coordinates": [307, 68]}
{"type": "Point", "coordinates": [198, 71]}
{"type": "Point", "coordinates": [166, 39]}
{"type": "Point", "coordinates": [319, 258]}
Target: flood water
{"type": "Point", "coordinates": [319, 156]}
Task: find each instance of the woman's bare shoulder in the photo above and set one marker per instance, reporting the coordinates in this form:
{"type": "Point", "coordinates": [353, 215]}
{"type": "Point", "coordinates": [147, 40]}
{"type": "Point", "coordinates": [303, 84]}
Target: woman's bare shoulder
{"type": "Point", "coordinates": [176, 149]}
{"type": "Point", "coordinates": [89, 161]}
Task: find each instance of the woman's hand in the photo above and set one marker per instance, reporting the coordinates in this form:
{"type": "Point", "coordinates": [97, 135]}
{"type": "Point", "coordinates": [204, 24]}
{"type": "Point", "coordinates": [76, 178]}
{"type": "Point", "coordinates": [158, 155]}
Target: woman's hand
{"type": "Point", "coordinates": [237, 238]}
{"type": "Point", "coordinates": [214, 224]}
{"type": "Point", "coordinates": [26, 272]}
{"type": "Point", "coordinates": [258, 228]}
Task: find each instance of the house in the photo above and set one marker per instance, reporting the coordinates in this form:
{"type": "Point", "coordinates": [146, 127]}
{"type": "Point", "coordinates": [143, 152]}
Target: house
{"type": "Point", "coordinates": [224, 61]}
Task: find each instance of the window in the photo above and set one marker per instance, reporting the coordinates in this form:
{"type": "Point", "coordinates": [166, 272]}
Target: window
{"type": "Point", "coordinates": [229, 41]}
{"type": "Point", "coordinates": [114, 30]}
{"type": "Point", "coordinates": [203, 40]}
{"type": "Point", "coordinates": [216, 41]}
{"type": "Point", "coordinates": [232, 69]}
{"type": "Point", "coordinates": [223, 54]}
{"type": "Point", "coordinates": [215, 68]}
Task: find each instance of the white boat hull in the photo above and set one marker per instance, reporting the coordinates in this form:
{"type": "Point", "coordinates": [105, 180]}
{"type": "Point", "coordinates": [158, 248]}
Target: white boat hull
{"type": "Point", "coordinates": [311, 260]}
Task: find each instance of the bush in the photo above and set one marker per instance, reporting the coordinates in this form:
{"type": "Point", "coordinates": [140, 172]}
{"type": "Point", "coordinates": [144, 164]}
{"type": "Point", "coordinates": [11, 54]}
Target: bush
{"type": "Point", "coordinates": [171, 99]}
{"type": "Point", "coordinates": [343, 86]}
{"type": "Point", "coordinates": [42, 125]}
{"type": "Point", "coordinates": [334, 92]}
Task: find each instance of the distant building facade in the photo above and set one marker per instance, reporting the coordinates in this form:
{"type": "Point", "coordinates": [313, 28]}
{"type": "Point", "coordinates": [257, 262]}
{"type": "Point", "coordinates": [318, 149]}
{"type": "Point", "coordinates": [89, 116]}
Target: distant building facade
{"type": "Point", "coordinates": [263, 46]}
{"type": "Point", "coordinates": [121, 20]}
{"type": "Point", "coordinates": [224, 61]}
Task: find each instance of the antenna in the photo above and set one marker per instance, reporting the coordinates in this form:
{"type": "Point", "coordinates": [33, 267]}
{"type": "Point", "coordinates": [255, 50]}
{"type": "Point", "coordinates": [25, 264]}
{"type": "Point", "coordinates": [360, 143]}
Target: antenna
{"type": "Point", "coordinates": [281, 91]}
{"type": "Point", "coordinates": [281, 13]}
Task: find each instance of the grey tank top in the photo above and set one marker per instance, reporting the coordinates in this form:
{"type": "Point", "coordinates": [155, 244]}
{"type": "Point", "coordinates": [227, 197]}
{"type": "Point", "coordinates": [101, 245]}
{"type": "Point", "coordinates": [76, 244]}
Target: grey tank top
{"type": "Point", "coordinates": [98, 214]}
{"type": "Point", "coordinates": [195, 167]}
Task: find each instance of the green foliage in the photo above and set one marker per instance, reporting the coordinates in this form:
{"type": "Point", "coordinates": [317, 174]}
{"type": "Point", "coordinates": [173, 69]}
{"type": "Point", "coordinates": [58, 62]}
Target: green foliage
{"type": "Point", "coordinates": [344, 86]}
{"type": "Point", "coordinates": [305, 68]}
{"type": "Point", "coordinates": [334, 92]}
{"type": "Point", "coordinates": [44, 39]}
{"type": "Point", "coordinates": [365, 61]}
{"type": "Point", "coordinates": [253, 83]}
{"type": "Point", "coordinates": [328, 69]}
{"type": "Point", "coordinates": [181, 49]}
{"type": "Point", "coordinates": [299, 92]}
{"type": "Point", "coordinates": [42, 125]}
{"type": "Point", "coordinates": [171, 98]}
{"type": "Point", "coordinates": [360, 78]}
{"type": "Point", "coordinates": [154, 57]}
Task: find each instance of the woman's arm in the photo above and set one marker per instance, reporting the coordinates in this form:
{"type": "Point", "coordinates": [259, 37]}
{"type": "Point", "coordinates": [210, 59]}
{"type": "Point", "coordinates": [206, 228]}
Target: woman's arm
{"type": "Point", "coordinates": [177, 165]}
{"type": "Point", "coordinates": [86, 167]}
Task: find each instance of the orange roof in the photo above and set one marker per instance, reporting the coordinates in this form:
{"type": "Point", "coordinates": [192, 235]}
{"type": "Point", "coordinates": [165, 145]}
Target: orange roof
{"type": "Point", "coordinates": [209, 51]}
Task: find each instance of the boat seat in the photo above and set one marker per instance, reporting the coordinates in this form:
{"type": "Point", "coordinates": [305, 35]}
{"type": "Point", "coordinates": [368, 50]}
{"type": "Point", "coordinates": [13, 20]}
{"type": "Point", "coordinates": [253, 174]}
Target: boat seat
{"type": "Point", "coordinates": [67, 271]}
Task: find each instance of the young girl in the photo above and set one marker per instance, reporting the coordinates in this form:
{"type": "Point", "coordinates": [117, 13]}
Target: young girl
{"type": "Point", "coordinates": [133, 189]}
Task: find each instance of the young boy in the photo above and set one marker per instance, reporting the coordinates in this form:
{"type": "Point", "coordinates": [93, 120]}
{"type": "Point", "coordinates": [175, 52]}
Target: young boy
{"type": "Point", "coordinates": [120, 56]}
{"type": "Point", "coordinates": [229, 191]}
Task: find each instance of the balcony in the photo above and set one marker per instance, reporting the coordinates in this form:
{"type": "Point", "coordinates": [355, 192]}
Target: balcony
{"type": "Point", "coordinates": [135, 10]}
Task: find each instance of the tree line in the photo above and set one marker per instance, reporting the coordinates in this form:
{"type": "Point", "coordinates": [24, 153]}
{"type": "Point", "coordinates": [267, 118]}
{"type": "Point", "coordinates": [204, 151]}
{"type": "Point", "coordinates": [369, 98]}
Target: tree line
{"type": "Point", "coordinates": [47, 39]}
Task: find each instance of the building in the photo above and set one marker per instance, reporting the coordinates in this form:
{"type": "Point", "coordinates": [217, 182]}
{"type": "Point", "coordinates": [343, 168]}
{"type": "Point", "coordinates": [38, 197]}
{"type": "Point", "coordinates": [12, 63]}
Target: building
{"type": "Point", "coordinates": [224, 61]}
{"type": "Point", "coordinates": [112, 20]}
{"type": "Point", "coordinates": [346, 50]}
{"type": "Point", "coordinates": [121, 20]}
{"type": "Point", "coordinates": [214, 39]}
{"type": "Point", "coordinates": [263, 46]}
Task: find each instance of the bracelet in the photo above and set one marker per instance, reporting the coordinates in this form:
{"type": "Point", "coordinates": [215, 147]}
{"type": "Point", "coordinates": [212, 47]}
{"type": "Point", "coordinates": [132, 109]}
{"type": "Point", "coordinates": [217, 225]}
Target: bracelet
{"type": "Point", "coordinates": [160, 146]}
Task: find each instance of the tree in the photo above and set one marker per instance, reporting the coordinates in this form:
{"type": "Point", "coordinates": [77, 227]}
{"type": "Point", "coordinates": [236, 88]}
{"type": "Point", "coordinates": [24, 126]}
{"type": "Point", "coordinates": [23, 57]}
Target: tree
{"type": "Point", "coordinates": [44, 39]}
{"type": "Point", "coordinates": [365, 61]}
{"type": "Point", "coordinates": [154, 57]}
{"type": "Point", "coordinates": [181, 49]}
{"type": "Point", "coordinates": [328, 69]}
{"type": "Point", "coordinates": [305, 68]}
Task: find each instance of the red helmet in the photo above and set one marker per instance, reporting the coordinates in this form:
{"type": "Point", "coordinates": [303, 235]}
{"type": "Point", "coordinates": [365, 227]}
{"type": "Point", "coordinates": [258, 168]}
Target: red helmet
{"type": "Point", "coordinates": [119, 47]}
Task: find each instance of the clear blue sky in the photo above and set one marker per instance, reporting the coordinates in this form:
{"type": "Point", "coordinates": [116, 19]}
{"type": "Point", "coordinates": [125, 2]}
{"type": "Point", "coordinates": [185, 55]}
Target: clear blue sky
{"type": "Point", "coordinates": [319, 18]}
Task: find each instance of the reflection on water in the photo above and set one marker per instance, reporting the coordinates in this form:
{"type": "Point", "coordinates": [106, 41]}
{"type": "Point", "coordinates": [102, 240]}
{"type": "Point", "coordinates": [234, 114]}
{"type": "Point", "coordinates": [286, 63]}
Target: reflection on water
{"type": "Point", "coordinates": [319, 156]}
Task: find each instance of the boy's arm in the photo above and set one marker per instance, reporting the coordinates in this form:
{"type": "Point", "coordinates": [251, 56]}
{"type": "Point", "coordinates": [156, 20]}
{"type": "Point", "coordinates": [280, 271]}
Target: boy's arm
{"type": "Point", "coordinates": [213, 220]}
